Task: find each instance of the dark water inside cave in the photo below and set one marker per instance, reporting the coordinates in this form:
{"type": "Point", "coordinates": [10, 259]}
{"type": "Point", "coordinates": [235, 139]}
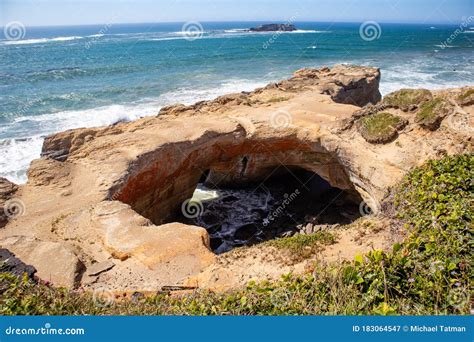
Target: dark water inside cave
{"type": "Point", "coordinates": [280, 206]}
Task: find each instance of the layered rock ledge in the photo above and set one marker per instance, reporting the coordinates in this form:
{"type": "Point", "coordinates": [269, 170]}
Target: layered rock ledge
{"type": "Point", "coordinates": [109, 195]}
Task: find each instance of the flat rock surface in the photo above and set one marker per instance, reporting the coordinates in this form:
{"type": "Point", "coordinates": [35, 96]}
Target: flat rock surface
{"type": "Point", "coordinates": [54, 262]}
{"type": "Point", "coordinates": [99, 267]}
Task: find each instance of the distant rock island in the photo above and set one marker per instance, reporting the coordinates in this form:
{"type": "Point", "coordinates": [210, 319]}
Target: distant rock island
{"type": "Point", "coordinates": [273, 27]}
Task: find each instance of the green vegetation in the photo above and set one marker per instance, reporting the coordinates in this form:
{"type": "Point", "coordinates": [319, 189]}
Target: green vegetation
{"type": "Point", "coordinates": [277, 99]}
{"type": "Point", "coordinates": [432, 113]}
{"type": "Point", "coordinates": [381, 127]}
{"type": "Point", "coordinates": [406, 99]}
{"type": "Point", "coordinates": [300, 247]}
{"type": "Point", "coordinates": [468, 93]}
{"type": "Point", "coordinates": [428, 273]}
{"type": "Point", "coordinates": [466, 98]}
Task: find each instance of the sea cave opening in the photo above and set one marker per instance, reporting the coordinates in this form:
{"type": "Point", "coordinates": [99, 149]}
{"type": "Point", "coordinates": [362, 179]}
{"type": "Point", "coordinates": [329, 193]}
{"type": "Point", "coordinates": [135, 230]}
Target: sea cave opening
{"type": "Point", "coordinates": [290, 201]}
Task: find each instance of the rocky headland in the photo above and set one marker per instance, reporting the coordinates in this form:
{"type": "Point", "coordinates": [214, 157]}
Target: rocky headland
{"type": "Point", "coordinates": [102, 205]}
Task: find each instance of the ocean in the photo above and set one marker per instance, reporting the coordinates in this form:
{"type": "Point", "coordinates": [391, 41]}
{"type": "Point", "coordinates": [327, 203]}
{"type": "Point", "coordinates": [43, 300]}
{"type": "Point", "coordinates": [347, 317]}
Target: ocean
{"type": "Point", "coordinates": [58, 78]}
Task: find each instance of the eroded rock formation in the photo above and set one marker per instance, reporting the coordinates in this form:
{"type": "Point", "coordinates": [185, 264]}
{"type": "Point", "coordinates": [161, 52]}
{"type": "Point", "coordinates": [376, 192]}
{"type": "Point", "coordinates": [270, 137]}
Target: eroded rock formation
{"type": "Point", "coordinates": [108, 195]}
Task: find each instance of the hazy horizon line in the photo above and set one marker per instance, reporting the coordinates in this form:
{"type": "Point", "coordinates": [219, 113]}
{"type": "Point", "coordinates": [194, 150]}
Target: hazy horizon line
{"type": "Point", "coordinates": [236, 21]}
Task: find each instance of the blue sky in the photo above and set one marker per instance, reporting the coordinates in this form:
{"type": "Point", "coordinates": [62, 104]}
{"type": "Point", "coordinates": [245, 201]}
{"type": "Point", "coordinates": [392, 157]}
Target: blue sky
{"type": "Point", "coordinates": [73, 12]}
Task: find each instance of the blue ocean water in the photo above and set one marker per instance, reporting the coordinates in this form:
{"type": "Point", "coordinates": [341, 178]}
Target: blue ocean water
{"type": "Point", "coordinates": [56, 78]}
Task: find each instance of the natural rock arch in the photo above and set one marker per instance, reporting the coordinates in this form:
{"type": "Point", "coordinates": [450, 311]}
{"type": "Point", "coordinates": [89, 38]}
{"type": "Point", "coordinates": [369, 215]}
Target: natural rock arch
{"type": "Point", "coordinates": [160, 181]}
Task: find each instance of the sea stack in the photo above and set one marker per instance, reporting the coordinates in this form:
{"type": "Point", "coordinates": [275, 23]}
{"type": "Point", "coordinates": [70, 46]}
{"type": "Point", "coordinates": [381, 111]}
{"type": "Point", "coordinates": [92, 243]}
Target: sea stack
{"type": "Point", "coordinates": [274, 27]}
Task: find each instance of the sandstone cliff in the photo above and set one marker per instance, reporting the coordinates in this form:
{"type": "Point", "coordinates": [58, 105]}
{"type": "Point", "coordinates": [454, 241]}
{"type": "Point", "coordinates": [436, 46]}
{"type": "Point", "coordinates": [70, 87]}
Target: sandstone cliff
{"type": "Point", "coordinates": [108, 195]}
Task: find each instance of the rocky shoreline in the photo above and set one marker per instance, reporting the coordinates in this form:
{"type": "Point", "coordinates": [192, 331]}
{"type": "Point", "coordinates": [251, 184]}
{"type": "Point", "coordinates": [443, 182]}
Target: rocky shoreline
{"type": "Point", "coordinates": [100, 207]}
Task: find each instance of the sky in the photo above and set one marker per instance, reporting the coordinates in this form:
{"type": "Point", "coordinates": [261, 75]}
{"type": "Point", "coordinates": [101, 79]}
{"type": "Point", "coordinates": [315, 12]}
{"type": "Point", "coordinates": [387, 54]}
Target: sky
{"type": "Point", "coordinates": [77, 12]}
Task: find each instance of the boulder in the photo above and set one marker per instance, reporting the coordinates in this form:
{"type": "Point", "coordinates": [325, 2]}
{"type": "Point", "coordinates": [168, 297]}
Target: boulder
{"type": "Point", "coordinates": [407, 99]}
{"type": "Point", "coordinates": [54, 261]}
{"type": "Point", "coordinates": [8, 208]}
{"type": "Point", "coordinates": [11, 264]}
{"type": "Point", "coordinates": [466, 98]}
{"type": "Point", "coordinates": [184, 249]}
{"type": "Point", "coordinates": [99, 267]}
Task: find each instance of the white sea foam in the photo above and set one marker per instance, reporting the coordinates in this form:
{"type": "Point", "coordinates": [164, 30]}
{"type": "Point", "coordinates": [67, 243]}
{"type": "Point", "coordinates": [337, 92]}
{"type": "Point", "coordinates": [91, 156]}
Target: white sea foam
{"type": "Point", "coordinates": [185, 33]}
{"type": "Point", "coordinates": [235, 30]}
{"type": "Point", "coordinates": [396, 78]}
{"type": "Point", "coordinates": [40, 40]}
{"type": "Point", "coordinates": [165, 38]}
{"type": "Point", "coordinates": [272, 32]}
{"type": "Point", "coordinates": [232, 33]}
{"type": "Point", "coordinates": [309, 31]}
{"type": "Point", "coordinates": [17, 153]}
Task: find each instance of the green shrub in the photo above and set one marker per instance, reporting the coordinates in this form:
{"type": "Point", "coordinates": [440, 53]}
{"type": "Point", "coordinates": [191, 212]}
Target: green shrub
{"type": "Point", "coordinates": [466, 98]}
{"type": "Point", "coordinates": [407, 99]}
{"type": "Point", "coordinates": [432, 113]}
{"type": "Point", "coordinates": [300, 247]}
{"type": "Point", "coordinates": [380, 127]}
{"type": "Point", "coordinates": [428, 273]}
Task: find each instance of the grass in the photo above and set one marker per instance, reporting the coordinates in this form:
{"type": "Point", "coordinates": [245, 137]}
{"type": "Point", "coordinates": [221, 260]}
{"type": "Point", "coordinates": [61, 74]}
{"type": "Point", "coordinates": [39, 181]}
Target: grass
{"type": "Point", "coordinates": [300, 247]}
{"type": "Point", "coordinates": [428, 273]}
{"type": "Point", "coordinates": [406, 99]}
{"type": "Point", "coordinates": [432, 113]}
{"type": "Point", "coordinates": [465, 98]}
{"type": "Point", "coordinates": [277, 99]}
{"type": "Point", "coordinates": [381, 127]}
